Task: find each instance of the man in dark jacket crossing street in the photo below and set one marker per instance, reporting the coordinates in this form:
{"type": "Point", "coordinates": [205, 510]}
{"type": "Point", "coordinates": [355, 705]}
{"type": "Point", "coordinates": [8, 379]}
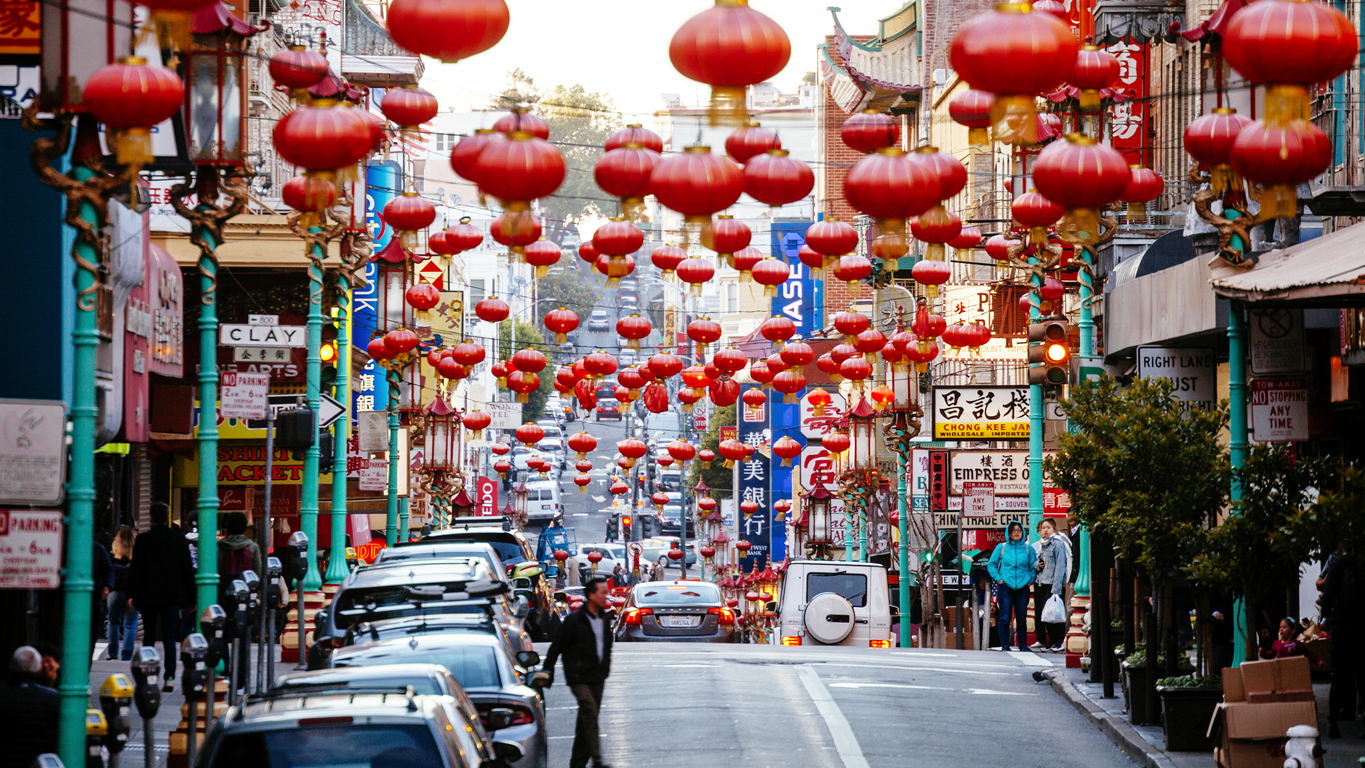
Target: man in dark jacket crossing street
{"type": "Point", "coordinates": [585, 643]}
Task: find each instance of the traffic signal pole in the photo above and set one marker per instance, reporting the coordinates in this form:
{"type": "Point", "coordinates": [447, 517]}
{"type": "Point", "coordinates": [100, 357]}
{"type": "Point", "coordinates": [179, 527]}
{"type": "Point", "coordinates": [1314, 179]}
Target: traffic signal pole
{"type": "Point", "coordinates": [336, 566]}
{"type": "Point", "coordinates": [1035, 419]}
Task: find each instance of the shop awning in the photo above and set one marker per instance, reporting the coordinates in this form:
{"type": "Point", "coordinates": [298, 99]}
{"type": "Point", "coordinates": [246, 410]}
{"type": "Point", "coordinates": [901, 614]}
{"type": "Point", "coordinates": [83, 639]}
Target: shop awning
{"type": "Point", "coordinates": [1327, 271]}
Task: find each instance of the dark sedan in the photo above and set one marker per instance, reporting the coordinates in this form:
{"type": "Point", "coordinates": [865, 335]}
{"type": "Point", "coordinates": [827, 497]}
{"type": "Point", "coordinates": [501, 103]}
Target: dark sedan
{"type": "Point", "coordinates": [677, 611]}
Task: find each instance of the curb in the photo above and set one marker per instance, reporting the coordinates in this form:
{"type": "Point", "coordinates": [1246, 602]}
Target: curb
{"type": "Point", "coordinates": [1124, 736]}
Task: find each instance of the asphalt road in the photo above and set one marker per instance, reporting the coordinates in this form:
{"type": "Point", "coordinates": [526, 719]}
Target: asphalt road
{"type": "Point", "coordinates": [756, 706]}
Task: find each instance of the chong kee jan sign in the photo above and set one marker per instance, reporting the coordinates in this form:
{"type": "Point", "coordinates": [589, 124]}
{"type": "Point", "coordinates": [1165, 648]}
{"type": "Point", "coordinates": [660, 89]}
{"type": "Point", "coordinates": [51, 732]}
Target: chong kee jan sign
{"type": "Point", "coordinates": [981, 413]}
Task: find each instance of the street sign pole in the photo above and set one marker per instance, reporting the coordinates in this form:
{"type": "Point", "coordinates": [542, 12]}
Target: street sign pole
{"type": "Point", "coordinates": [336, 565]}
{"type": "Point", "coordinates": [308, 503]}
{"type": "Point", "coordinates": [265, 651]}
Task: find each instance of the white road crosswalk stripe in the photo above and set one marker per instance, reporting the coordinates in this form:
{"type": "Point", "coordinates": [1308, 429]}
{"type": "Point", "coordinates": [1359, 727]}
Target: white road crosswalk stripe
{"type": "Point", "coordinates": [845, 743]}
{"type": "Point", "coordinates": [1031, 659]}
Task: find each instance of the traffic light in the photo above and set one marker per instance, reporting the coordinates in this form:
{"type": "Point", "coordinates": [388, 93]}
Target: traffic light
{"type": "Point", "coordinates": [1049, 352]}
{"type": "Point", "coordinates": [328, 351]}
{"type": "Point", "coordinates": [625, 527]}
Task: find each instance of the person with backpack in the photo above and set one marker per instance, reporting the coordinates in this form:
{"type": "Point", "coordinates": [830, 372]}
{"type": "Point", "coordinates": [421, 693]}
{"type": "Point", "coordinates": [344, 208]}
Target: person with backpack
{"type": "Point", "coordinates": [237, 554]}
{"type": "Point", "coordinates": [1011, 567]}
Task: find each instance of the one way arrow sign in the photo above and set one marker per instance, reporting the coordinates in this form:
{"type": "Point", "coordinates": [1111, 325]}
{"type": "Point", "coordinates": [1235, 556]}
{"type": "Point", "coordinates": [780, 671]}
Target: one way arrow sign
{"type": "Point", "coordinates": [332, 411]}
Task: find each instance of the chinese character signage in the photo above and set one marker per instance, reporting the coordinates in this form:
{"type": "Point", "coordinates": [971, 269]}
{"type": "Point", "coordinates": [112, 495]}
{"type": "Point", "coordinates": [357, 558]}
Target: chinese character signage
{"type": "Point", "coordinates": [383, 179]}
{"type": "Point", "coordinates": [813, 426]}
{"type": "Point", "coordinates": [19, 31]}
{"type": "Point", "coordinates": [981, 413]}
{"type": "Point", "coordinates": [938, 480]}
{"type": "Point", "coordinates": [366, 389]}
{"type": "Point", "coordinates": [1129, 130]}
{"type": "Point", "coordinates": [784, 424]}
{"type": "Point", "coordinates": [801, 297]}
{"type": "Point", "coordinates": [1056, 502]}
{"type": "Point", "coordinates": [755, 485]}
{"type": "Point", "coordinates": [1008, 470]}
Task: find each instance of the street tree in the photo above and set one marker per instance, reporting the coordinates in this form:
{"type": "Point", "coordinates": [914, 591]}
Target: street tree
{"type": "Point", "coordinates": [717, 476]}
{"type": "Point", "coordinates": [528, 337]}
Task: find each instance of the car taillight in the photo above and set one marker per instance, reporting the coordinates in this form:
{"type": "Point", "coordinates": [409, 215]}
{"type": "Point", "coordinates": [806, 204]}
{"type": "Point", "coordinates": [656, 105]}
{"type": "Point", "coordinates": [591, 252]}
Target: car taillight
{"type": "Point", "coordinates": [634, 615]}
{"type": "Point", "coordinates": [726, 615]}
{"type": "Point", "coordinates": [791, 640]}
{"type": "Point", "coordinates": [520, 715]}
{"type": "Point", "coordinates": [880, 643]}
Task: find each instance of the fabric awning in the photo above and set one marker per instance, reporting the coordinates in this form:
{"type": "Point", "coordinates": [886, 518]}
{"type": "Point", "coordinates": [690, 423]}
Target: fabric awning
{"type": "Point", "coordinates": [1327, 271]}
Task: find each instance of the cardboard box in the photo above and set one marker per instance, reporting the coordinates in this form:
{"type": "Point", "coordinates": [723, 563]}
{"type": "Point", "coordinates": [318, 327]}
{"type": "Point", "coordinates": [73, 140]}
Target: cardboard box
{"type": "Point", "coordinates": [1250, 735]}
{"type": "Point", "coordinates": [1288, 674]}
{"type": "Point", "coordinates": [1233, 690]}
{"type": "Point", "coordinates": [1268, 697]}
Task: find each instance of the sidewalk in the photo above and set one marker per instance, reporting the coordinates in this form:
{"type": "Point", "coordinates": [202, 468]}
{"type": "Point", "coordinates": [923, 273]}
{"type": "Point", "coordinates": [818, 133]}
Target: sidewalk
{"type": "Point", "coordinates": [1146, 745]}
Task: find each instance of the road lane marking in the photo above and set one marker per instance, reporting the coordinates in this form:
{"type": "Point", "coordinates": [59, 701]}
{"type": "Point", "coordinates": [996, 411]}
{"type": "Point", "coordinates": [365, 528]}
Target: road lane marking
{"type": "Point", "coordinates": [845, 743]}
{"type": "Point", "coordinates": [1031, 659]}
{"type": "Point", "coordinates": [919, 669]}
{"type": "Point", "coordinates": [974, 691]}
{"type": "Point", "coordinates": [682, 666]}
{"type": "Point", "coordinates": [599, 499]}
{"type": "Point", "coordinates": [576, 514]}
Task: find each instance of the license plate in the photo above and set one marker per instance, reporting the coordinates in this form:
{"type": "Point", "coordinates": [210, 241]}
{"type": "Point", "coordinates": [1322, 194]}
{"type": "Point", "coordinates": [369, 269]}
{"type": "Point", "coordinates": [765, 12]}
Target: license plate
{"type": "Point", "coordinates": [679, 622]}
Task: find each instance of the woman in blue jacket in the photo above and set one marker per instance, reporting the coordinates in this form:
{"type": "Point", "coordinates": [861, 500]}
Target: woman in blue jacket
{"type": "Point", "coordinates": [1012, 568]}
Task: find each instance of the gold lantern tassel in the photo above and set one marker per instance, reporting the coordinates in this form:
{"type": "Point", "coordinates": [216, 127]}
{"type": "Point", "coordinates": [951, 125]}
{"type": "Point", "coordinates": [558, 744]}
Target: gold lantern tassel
{"type": "Point", "coordinates": [172, 29]}
{"type": "Point", "coordinates": [502, 382]}
{"type": "Point", "coordinates": [745, 276]}
{"type": "Point", "coordinates": [818, 410]}
{"type": "Point", "coordinates": [695, 290]}
{"type": "Point", "coordinates": [542, 271]}
{"type": "Point", "coordinates": [706, 465]}
{"type": "Point", "coordinates": [561, 338]}
{"type": "Point", "coordinates": [582, 489]}
{"type": "Point", "coordinates": [830, 261]}
{"type": "Point", "coordinates": [789, 398]}
{"type": "Point", "coordinates": [687, 407]}
{"type": "Point", "coordinates": [978, 137]}
{"type": "Point", "coordinates": [931, 291]}
{"type": "Point", "coordinates": [1222, 178]}
{"type": "Point", "coordinates": [613, 283]}
{"type": "Point", "coordinates": [633, 208]}
{"type": "Point", "coordinates": [729, 464]}
{"type": "Point", "coordinates": [935, 252]}
{"type": "Point", "coordinates": [1137, 211]}
{"type": "Point", "coordinates": [836, 378]}
{"type": "Point", "coordinates": [780, 344]}
{"type": "Point", "coordinates": [133, 146]}
{"type": "Point", "coordinates": [1014, 119]}
{"type": "Point", "coordinates": [1089, 98]}
{"type": "Point", "coordinates": [817, 273]}
{"type": "Point", "coordinates": [1285, 103]}
{"type": "Point", "coordinates": [523, 396]}
{"type": "Point", "coordinates": [727, 106]}
{"type": "Point", "coordinates": [787, 462]}
{"type": "Point", "coordinates": [770, 291]}
{"type": "Point", "coordinates": [1037, 236]}
{"type": "Point", "coordinates": [1279, 201]}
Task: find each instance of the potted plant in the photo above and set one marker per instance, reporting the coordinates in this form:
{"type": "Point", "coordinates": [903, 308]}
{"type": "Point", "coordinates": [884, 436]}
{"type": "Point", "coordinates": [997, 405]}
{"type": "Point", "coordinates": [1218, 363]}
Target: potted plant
{"type": "Point", "coordinates": [1135, 684]}
{"type": "Point", "coordinates": [1187, 705]}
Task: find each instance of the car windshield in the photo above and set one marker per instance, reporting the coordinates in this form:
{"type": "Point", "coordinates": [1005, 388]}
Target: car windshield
{"type": "Point", "coordinates": [335, 744]}
{"type": "Point", "coordinates": [853, 586]}
{"type": "Point", "coordinates": [474, 666]}
{"type": "Point", "coordinates": [508, 551]}
{"type": "Point", "coordinates": [420, 685]}
{"type": "Point", "coordinates": [678, 594]}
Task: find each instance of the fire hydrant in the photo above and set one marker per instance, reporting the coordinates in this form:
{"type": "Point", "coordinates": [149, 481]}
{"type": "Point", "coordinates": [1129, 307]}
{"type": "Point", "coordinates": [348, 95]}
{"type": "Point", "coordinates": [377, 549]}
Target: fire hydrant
{"type": "Point", "coordinates": [1303, 749]}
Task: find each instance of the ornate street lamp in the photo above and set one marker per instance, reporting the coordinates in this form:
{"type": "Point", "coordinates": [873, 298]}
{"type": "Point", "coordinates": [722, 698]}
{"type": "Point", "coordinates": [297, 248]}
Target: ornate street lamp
{"type": "Point", "coordinates": [440, 432]}
{"type": "Point", "coordinates": [815, 505]}
{"type": "Point", "coordinates": [519, 495]}
{"type": "Point", "coordinates": [214, 99]}
{"type": "Point", "coordinates": [862, 421]}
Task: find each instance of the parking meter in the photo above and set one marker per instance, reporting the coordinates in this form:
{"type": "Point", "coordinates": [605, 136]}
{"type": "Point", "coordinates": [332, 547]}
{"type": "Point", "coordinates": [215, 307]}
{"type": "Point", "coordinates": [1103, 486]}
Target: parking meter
{"type": "Point", "coordinates": [273, 570]}
{"type": "Point", "coordinates": [96, 728]}
{"type": "Point", "coordinates": [299, 541]}
{"type": "Point", "coordinates": [193, 653]}
{"type": "Point", "coordinates": [146, 668]}
{"type": "Point", "coordinates": [211, 623]}
{"type": "Point", "coordinates": [47, 760]}
{"type": "Point", "coordinates": [265, 652]}
{"type": "Point", "coordinates": [116, 695]}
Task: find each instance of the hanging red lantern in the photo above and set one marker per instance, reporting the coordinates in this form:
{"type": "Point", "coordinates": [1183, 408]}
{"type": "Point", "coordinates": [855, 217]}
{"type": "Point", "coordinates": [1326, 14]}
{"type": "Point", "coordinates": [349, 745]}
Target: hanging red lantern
{"type": "Point", "coordinates": [703, 331]}
{"type": "Point", "coordinates": [1037, 213]}
{"type": "Point", "coordinates": [632, 449]}
{"type": "Point", "coordinates": [1208, 139]}
{"type": "Point", "coordinates": [732, 451]}
{"type": "Point", "coordinates": [521, 121]}
{"type": "Point", "coordinates": [819, 400]}
{"type": "Point", "coordinates": [697, 184]}
{"type": "Point", "coordinates": [492, 310]}
{"type": "Point", "coordinates": [309, 195]}
{"type": "Point", "coordinates": [744, 261]}
{"type": "Point", "coordinates": [624, 173]}
{"type": "Point", "coordinates": [409, 106]}
{"type": "Point", "coordinates": [1144, 186]}
{"type": "Point", "coordinates": [777, 329]}
{"type": "Point", "coordinates": [852, 268]}
{"type": "Point", "coordinates": [131, 97]}
{"type": "Point", "coordinates": [439, 243]}
{"type": "Point", "coordinates": [502, 467]}
{"type": "Point", "coordinates": [681, 450]}
{"type": "Point", "coordinates": [542, 254]}
{"type": "Point", "coordinates": [831, 239]}
{"type": "Point", "coordinates": [1051, 290]}
{"type": "Point", "coordinates": [1082, 176]}
{"type": "Point", "coordinates": [1096, 69]}
{"type": "Point", "coordinates": [936, 227]}
{"type": "Point", "coordinates": [706, 456]}
{"type": "Point", "coordinates": [725, 235]}
{"type": "Point", "coordinates": [786, 449]}
{"type": "Point", "coordinates": [448, 30]}
{"type": "Point", "coordinates": [523, 384]}
{"type": "Point", "coordinates": [695, 376]}
{"type": "Point", "coordinates": [723, 392]}
{"type": "Point", "coordinates": [660, 499]}
{"type": "Point", "coordinates": [618, 488]}
{"type": "Point", "coordinates": [1014, 54]}
{"type": "Point", "coordinates": [931, 274]}
{"type": "Point", "coordinates": [836, 442]}
{"type": "Point", "coordinates": [450, 368]}
{"type": "Point", "coordinates": [464, 236]}
{"type": "Point", "coordinates": [771, 273]}
{"type": "Point", "coordinates": [633, 328]}
{"type": "Point", "coordinates": [422, 297]}
{"type": "Point", "coordinates": [953, 336]}
{"type": "Point", "coordinates": [972, 109]}
{"type": "Point", "coordinates": [630, 378]}
{"type": "Point", "coordinates": [729, 47]}
{"type": "Point", "coordinates": [842, 352]}
{"type": "Point", "coordinates": [655, 397]}
{"type": "Point", "coordinates": [851, 323]}
{"type": "Point", "coordinates": [582, 480]}
{"type": "Point", "coordinates": [516, 230]}
{"type": "Point", "coordinates": [891, 187]}
{"type": "Point", "coordinates": [583, 465]}
{"type": "Point", "coordinates": [605, 268]}
{"type": "Point", "coordinates": [789, 383]}
{"type": "Point", "coordinates": [775, 363]}
{"type": "Point", "coordinates": [870, 342]}
{"type": "Point", "coordinates": [798, 354]}
{"type": "Point", "coordinates": [997, 247]}
{"type": "Point", "coordinates": [582, 444]}
{"type": "Point", "coordinates": [950, 172]}
{"type": "Point", "coordinates": [408, 214]}
{"type": "Point", "coordinates": [617, 239]}
{"type": "Point", "coordinates": [468, 354]}
{"type": "Point", "coordinates": [635, 134]}
{"type": "Point", "coordinates": [600, 364]}
{"type": "Point", "coordinates": [927, 325]}
{"type": "Point", "coordinates": [696, 272]}
{"type": "Point", "coordinates": [667, 258]}
{"type": "Point", "coordinates": [856, 370]}
{"type": "Point", "coordinates": [530, 434]}
{"type": "Point", "coordinates": [1290, 45]}
{"type": "Point", "coordinates": [521, 169]}
{"type": "Point", "coordinates": [777, 179]}
{"type": "Point", "coordinates": [586, 394]}
{"type": "Point", "coordinates": [813, 260]}
{"type": "Point", "coordinates": [296, 69]}
{"type": "Point", "coordinates": [1279, 156]}
{"type": "Point", "coordinates": [500, 449]}
{"type": "Point", "coordinates": [966, 239]}
{"type": "Point", "coordinates": [750, 140]}
{"type": "Point", "coordinates": [730, 360]}
{"type": "Point", "coordinates": [754, 398]}
{"type": "Point", "coordinates": [464, 158]}
{"type": "Point", "coordinates": [561, 322]}
{"type": "Point", "coordinates": [400, 341]}
{"type": "Point", "coordinates": [665, 366]}
{"type": "Point", "coordinates": [976, 335]}
{"type": "Point", "coordinates": [588, 252]}
{"type": "Point", "coordinates": [689, 397]}
{"type": "Point", "coordinates": [870, 131]}
{"type": "Point", "coordinates": [323, 138]}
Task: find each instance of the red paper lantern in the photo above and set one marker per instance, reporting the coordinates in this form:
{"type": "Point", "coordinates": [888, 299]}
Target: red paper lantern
{"type": "Point", "coordinates": [750, 140]}
{"type": "Point", "coordinates": [542, 254]}
{"type": "Point", "coordinates": [665, 365]}
{"type": "Point", "coordinates": [323, 137]}
{"type": "Point", "coordinates": [297, 69]}
{"type": "Point", "coordinates": [401, 340]}
{"type": "Point", "coordinates": [561, 322]}
{"type": "Point", "coordinates": [309, 194]}
{"type": "Point", "coordinates": [492, 310]}
{"type": "Point", "coordinates": [967, 238]}
{"type": "Point", "coordinates": [891, 187]}
{"type": "Point", "coordinates": [582, 443]}
{"type": "Point", "coordinates": [521, 121]}
{"type": "Point", "coordinates": [870, 342]}
{"type": "Point", "coordinates": [1279, 156]}
{"type": "Point", "coordinates": [468, 354]}
{"type": "Point", "coordinates": [851, 323]}
{"type": "Point", "coordinates": [1208, 139]}
{"type": "Point", "coordinates": [408, 214]}
{"type": "Point", "coordinates": [624, 173]}
{"type": "Point", "coordinates": [725, 235]}
{"type": "Point", "coordinates": [778, 329]}
{"type": "Point", "coordinates": [633, 134]}
{"type": "Point", "coordinates": [530, 433]}
{"type": "Point", "coordinates": [931, 274]}
{"type": "Point", "coordinates": [723, 392]}
{"type": "Point", "coordinates": [789, 383]}
{"type": "Point", "coordinates": [130, 98]}
{"type": "Point", "coordinates": [951, 173]}
{"type": "Point", "coordinates": [633, 328]}
{"type": "Point", "coordinates": [1095, 70]}
{"type": "Point", "coordinates": [730, 360]}
{"type": "Point", "coordinates": [1144, 186]}
{"type": "Point", "coordinates": [729, 47]}
{"type": "Point", "coordinates": [422, 296]}
{"type": "Point", "coordinates": [754, 398]}
{"type": "Point", "coordinates": [830, 239]}
{"type": "Point", "coordinates": [936, 227]}
{"type": "Point", "coordinates": [836, 442]}
{"type": "Point", "coordinates": [870, 131]}
{"type": "Point", "coordinates": [695, 272]}
{"type": "Point", "coordinates": [449, 369]}
{"type": "Point", "coordinates": [1052, 289]}
{"type": "Point", "coordinates": [476, 421]}
{"type": "Point", "coordinates": [448, 30]}
{"type": "Point", "coordinates": [600, 364]}
{"type": "Point", "coordinates": [519, 170]}
{"type": "Point", "coordinates": [771, 273]}
{"type": "Point", "coordinates": [515, 229]}
{"type": "Point", "coordinates": [1290, 42]}
{"type": "Point", "coordinates": [1037, 213]}
{"type": "Point", "coordinates": [972, 109]}
{"type": "Point", "coordinates": [655, 398]}
{"type": "Point", "coordinates": [409, 106]}
{"type": "Point", "coordinates": [798, 354]}
{"type": "Point", "coordinates": [588, 252]}
{"type": "Point", "coordinates": [464, 158]}
{"type": "Point", "coordinates": [852, 268]}
{"type": "Point", "coordinates": [523, 384]}
{"type": "Point", "coordinates": [997, 247]}
{"type": "Point", "coordinates": [732, 451]}
{"type": "Point", "coordinates": [777, 179]}
{"type": "Point", "coordinates": [1082, 176]}
{"type": "Point", "coordinates": [785, 448]}
{"type": "Point", "coordinates": [697, 184]}
{"type": "Point", "coordinates": [681, 450]}
{"type": "Point", "coordinates": [703, 331]}
{"type": "Point", "coordinates": [667, 258]}
{"type": "Point", "coordinates": [1014, 54]}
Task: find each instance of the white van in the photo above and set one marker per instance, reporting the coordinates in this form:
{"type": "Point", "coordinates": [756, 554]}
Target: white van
{"type": "Point", "coordinates": [542, 500]}
{"type": "Point", "coordinates": [830, 602]}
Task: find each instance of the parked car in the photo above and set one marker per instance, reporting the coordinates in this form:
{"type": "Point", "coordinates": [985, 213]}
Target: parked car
{"type": "Point", "coordinates": [400, 589]}
{"type": "Point", "coordinates": [669, 480]}
{"type": "Point", "coordinates": [482, 621]}
{"type": "Point", "coordinates": [608, 409]}
{"type": "Point", "coordinates": [687, 611]}
{"type": "Point", "coordinates": [627, 358]}
{"type": "Point", "coordinates": [599, 321]}
{"type": "Point", "coordinates": [671, 526]}
{"type": "Point", "coordinates": [551, 427]}
{"type": "Point", "coordinates": [553, 447]}
{"type": "Point", "coordinates": [381, 727]}
{"type": "Point", "coordinates": [444, 550]}
{"type": "Point", "coordinates": [491, 679]}
{"type": "Point", "coordinates": [835, 603]}
{"type": "Point", "coordinates": [612, 554]}
{"type": "Point", "coordinates": [514, 551]}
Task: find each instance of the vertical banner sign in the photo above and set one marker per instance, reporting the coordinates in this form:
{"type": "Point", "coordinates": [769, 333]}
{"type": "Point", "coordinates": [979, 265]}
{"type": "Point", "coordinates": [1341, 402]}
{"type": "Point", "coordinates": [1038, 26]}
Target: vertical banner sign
{"type": "Point", "coordinates": [785, 422]}
{"type": "Point", "coordinates": [487, 501]}
{"type": "Point", "coordinates": [938, 480]}
{"type": "Point", "coordinates": [383, 179]}
{"type": "Point", "coordinates": [800, 298]}
{"type": "Point", "coordinates": [755, 485]}
{"type": "Point", "coordinates": [1129, 132]}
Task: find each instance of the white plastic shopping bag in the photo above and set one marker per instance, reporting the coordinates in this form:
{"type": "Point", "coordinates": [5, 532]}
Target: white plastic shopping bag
{"type": "Point", "coordinates": [1054, 612]}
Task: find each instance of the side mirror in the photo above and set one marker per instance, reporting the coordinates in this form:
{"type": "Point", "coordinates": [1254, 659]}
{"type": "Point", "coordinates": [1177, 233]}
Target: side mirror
{"type": "Point", "coordinates": [528, 659]}
{"type": "Point", "coordinates": [562, 596]}
{"type": "Point", "coordinates": [770, 607]}
{"type": "Point", "coordinates": [507, 751]}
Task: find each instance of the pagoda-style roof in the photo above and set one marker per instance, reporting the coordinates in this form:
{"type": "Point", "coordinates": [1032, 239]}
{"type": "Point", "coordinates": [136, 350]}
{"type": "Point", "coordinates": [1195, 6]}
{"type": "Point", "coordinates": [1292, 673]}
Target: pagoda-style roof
{"type": "Point", "coordinates": [877, 72]}
{"type": "Point", "coordinates": [217, 17]}
{"type": "Point", "coordinates": [1141, 21]}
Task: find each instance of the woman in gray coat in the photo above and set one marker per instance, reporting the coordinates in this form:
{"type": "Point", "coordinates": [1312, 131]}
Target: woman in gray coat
{"type": "Point", "coordinates": [1054, 568]}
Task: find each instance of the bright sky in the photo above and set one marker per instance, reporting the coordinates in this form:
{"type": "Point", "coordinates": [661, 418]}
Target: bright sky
{"type": "Point", "coordinates": [620, 47]}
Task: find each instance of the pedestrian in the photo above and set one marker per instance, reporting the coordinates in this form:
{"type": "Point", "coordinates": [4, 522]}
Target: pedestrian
{"type": "Point", "coordinates": [102, 576]}
{"type": "Point", "coordinates": [237, 554]}
{"type": "Point", "coordinates": [29, 711]}
{"type": "Point", "coordinates": [1012, 568]}
{"type": "Point", "coordinates": [1053, 566]}
{"type": "Point", "coordinates": [1343, 590]}
{"type": "Point", "coordinates": [1288, 644]}
{"type": "Point", "coordinates": [162, 582]}
{"type": "Point", "coordinates": [50, 671]}
{"type": "Point", "coordinates": [584, 641]}
{"type": "Point", "coordinates": [611, 529]}
{"type": "Point", "coordinates": [122, 624]}
{"type": "Point", "coordinates": [618, 576]}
